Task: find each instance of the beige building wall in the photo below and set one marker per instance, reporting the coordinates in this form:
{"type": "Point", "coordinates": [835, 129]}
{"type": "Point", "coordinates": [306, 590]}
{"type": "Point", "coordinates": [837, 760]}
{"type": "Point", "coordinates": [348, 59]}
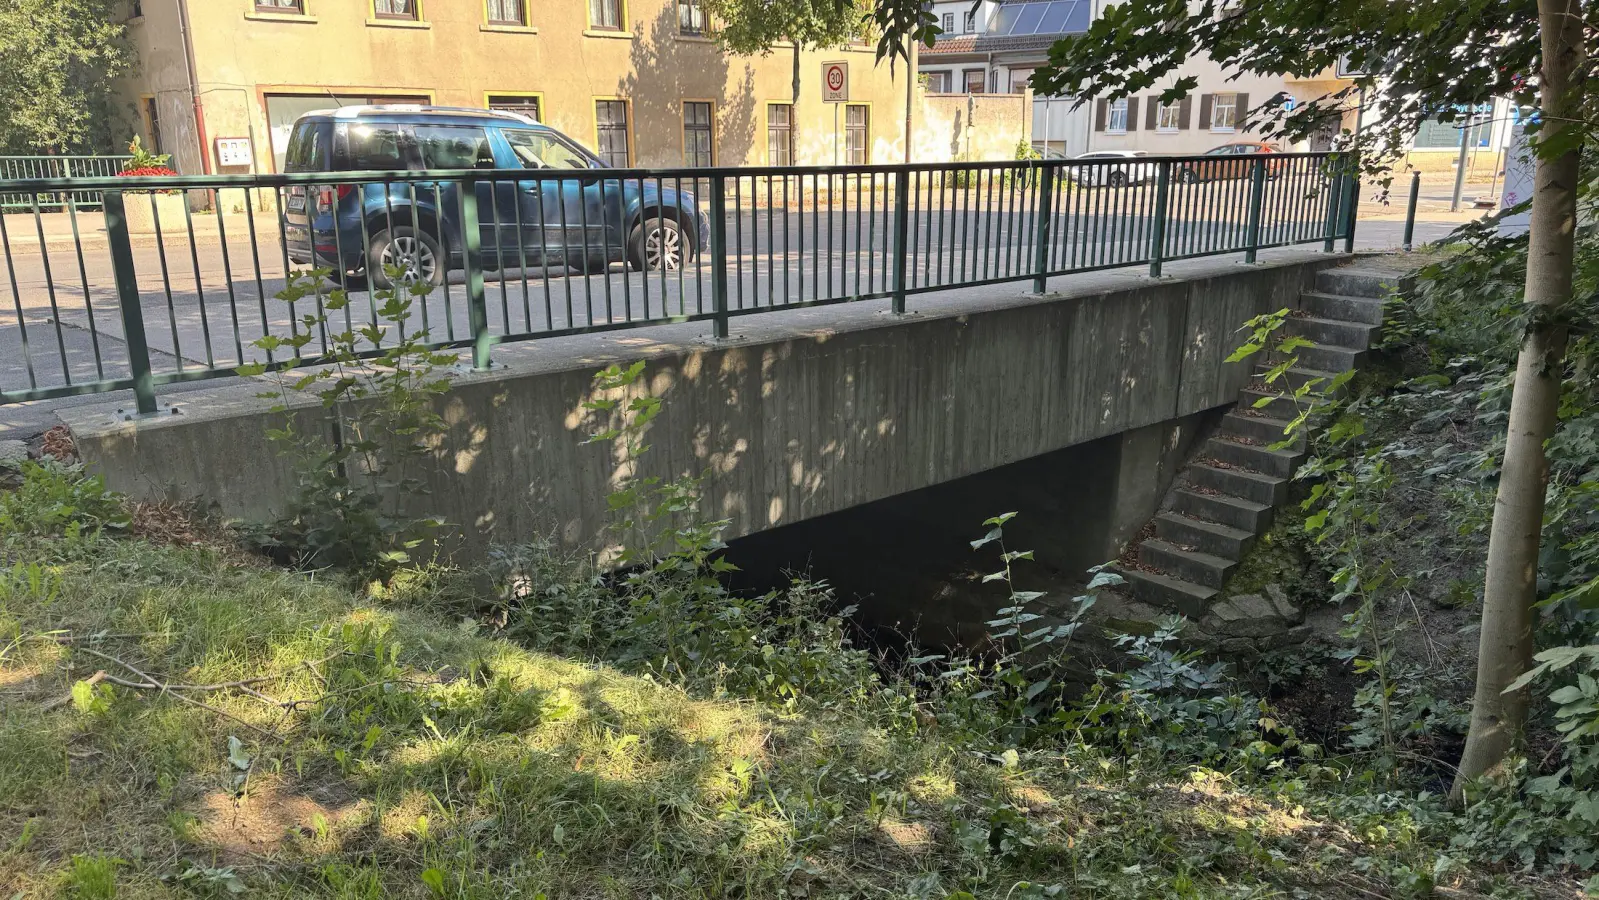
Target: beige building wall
{"type": "Point", "coordinates": [339, 51]}
{"type": "Point", "coordinates": [970, 127]}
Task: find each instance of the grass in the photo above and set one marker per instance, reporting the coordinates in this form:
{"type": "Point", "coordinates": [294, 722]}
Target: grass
{"type": "Point", "coordinates": [383, 749]}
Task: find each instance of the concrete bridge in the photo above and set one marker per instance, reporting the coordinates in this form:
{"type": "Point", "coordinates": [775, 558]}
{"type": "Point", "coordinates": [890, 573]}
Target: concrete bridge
{"type": "Point", "coordinates": [804, 413]}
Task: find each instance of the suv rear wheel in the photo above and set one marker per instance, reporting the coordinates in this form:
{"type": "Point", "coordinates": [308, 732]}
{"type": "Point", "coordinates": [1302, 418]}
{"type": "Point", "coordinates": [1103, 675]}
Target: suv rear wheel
{"type": "Point", "coordinates": [416, 253]}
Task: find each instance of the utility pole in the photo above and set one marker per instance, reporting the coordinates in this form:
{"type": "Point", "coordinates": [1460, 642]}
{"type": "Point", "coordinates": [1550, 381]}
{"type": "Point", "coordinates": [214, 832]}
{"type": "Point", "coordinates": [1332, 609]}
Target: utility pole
{"type": "Point", "coordinates": [1460, 165]}
{"type": "Point", "coordinates": [910, 93]}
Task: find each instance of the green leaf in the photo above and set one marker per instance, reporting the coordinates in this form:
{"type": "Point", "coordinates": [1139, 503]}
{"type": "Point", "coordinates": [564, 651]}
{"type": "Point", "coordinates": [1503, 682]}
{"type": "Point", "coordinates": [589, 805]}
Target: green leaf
{"type": "Point", "coordinates": [434, 879]}
{"type": "Point", "coordinates": [237, 755]}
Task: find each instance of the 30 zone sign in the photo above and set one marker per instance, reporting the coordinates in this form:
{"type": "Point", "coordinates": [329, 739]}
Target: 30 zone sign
{"type": "Point", "coordinates": [835, 82]}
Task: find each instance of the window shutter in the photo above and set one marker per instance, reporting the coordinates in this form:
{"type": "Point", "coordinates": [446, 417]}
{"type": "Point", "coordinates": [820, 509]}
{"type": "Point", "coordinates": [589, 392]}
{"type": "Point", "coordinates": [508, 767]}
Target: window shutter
{"type": "Point", "coordinates": [1099, 114]}
{"type": "Point", "coordinates": [1204, 111]}
{"type": "Point", "coordinates": [1132, 113]}
{"type": "Point", "coordinates": [1150, 113]}
{"type": "Point", "coordinates": [1185, 113]}
{"type": "Point", "coordinates": [1243, 108]}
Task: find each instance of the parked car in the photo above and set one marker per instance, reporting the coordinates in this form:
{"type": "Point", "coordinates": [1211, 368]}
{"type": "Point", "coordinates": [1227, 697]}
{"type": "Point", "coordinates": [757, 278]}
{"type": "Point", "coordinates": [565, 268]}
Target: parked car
{"type": "Point", "coordinates": [527, 210]}
{"type": "Point", "coordinates": [1222, 163]}
{"type": "Point", "coordinates": [1113, 175]}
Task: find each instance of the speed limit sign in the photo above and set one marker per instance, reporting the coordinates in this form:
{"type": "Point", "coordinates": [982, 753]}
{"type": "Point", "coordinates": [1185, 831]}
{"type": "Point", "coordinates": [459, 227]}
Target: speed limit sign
{"type": "Point", "coordinates": [835, 82]}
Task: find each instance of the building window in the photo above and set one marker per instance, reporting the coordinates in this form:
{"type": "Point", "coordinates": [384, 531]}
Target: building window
{"type": "Point", "coordinates": [137, 10]}
{"type": "Point", "coordinates": [507, 12]}
{"type": "Point", "coordinates": [976, 81]}
{"type": "Point", "coordinates": [394, 9]}
{"type": "Point", "coordinates": [526, 106]}
{"type": "Point", "coordinates": [606, 14]}
{"type": "Point", "coordinates": [152, 119]}
{"type": "Point", "coordinates": [780, 134]}
{"type": "Point", "coordinates": [610, 123]}
{"type": "Point", "coordinates": [690, 17]}
{"type": "Point", "coordinates": [280, 6]}
{"type": "Point", "coordinates": [1442, 132]}
{"type": "Point", "coordinates": [971, 22]}
{"type": "Point", "coordinates": [1224, 112]}
{"type": "Point", "coordinates": [1116, 118]}
{"type": "Point", "coordinates": [697, 131]}
{"type": "Point", "coordinates": [1168, 116]}
{"type": "Point", "coordinates": [949, 22]}
{"type": "Point", "coordinates": [856, 135]}
{"type": "Point", "coordinates": [937, 82]}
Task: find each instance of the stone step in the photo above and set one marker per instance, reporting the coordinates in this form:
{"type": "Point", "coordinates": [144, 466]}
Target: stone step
{"type": "Point", "coordinates": [1183, 597]}
{"type": "Point", "coordinates": [1259, 429]}
{"type": "Point", "coordinates": [1279, 405]}
{"type": "Point", "coordinates": [1210, 537]}
{"type": "Point", "coordinates": [1266, 489]}
{"type": "Point", "coordinates": [1332, 332]}
{"type": "Point", "coordinates": [1344, 309]}
{"type": "Point", "coordinates": [1234, 512]}
{"type": "Point", "coordinates": [1327, 357]}
{"type": "Point", "coordinates": [1193, 566]}
{"type": "Point", "coordinates": [1351, 281]}
{"type": "Point", "coordinates": [1255, 457]}
{"type": "Point", "coordinates": [1297, 376]}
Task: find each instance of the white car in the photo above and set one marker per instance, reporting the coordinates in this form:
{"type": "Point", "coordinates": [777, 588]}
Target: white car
{"type": "Point", "coordinates": [1112, 174]}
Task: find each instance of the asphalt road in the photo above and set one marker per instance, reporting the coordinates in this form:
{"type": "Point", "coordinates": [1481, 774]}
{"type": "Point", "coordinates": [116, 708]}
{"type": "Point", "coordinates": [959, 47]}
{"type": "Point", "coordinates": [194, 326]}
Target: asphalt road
{"type": "Point", "coordinates": [205, 302]}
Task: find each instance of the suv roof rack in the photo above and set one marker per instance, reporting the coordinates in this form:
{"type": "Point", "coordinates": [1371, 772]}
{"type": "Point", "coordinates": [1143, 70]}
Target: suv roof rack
{"type": "Point", "coordinates": [353, 112]}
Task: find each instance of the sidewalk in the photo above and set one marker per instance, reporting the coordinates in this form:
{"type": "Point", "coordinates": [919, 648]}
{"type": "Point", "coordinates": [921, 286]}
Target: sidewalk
{"type": "Point", "coordinates": [23, 231]}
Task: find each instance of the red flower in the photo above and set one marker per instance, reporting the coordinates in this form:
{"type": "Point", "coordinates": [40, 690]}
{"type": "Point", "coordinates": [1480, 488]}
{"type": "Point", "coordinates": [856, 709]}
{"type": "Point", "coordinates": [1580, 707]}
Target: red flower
{"type": "Point", "coordinates": [144, 171]}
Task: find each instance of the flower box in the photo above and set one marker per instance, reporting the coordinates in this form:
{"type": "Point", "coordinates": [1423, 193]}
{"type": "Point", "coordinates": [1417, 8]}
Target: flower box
{"type": "Point", "coordinates": [142, 213]}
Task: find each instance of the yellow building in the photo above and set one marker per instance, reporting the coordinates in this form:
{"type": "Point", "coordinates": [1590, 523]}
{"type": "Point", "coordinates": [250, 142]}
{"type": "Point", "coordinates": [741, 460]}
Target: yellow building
{"type": "Point", "coordinates": [635, 80]}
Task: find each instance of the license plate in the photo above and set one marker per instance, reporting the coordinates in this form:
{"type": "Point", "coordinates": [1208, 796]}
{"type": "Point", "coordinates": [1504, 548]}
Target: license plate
{"type": "Point", "coordinates": [297, 200]}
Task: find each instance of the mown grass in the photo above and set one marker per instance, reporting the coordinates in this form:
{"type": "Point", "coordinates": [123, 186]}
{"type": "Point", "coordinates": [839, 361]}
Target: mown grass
{"type": "Point", "coordinates": [429, 759]}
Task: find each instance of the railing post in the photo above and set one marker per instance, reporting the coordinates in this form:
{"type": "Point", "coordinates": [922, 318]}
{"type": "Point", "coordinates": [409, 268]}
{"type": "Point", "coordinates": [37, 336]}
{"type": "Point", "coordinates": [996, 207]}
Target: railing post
{"type": "Point", "coordinates": [1335, 194]}
{"type": "Point", "coordinates": [1351, 211]}
{"type": "Point", "coordinates": [1157, 231]}
{"type": "Point", "coordinates": [1257, 195]}
{"type": "Point", "coordinates": [1046, 215]}
{"type": "Point", "coordinates": [902, 190]}
{"type": "Point", "coordinates": [477, 311]}
{"type": "Point", "coordinates": [719, 256]}
{"type": "Point", "coordinates": [116, 225]}
{"type": "Point", "coordinates": [1410, 209]}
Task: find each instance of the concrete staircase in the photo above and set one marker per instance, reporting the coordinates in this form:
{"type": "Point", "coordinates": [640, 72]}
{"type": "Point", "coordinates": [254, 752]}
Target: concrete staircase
{"type": "Point", "coordinates": [1225, 499]}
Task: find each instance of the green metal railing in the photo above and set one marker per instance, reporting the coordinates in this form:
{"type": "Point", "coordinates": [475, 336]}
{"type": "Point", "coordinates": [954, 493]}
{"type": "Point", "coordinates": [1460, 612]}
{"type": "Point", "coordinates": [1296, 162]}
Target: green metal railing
{"type": "Point", "coordinates": [172, 295]}
{"type": "Point", "coordinates": [30, 167]}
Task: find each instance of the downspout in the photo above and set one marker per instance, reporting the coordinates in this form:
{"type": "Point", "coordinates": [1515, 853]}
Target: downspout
{"type": "Point", "coordinates": [194, 86]}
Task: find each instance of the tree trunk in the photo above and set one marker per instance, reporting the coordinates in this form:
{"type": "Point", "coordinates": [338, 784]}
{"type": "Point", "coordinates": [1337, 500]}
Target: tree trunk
{"type": "Point", "coordinates": [796, 72]}
{"type": "Point", "coordinates": [1505, 643]}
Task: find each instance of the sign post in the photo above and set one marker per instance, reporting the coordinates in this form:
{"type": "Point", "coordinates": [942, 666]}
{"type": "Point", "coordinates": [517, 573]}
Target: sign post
{"type": "Point", "coordinates": [835, 90]}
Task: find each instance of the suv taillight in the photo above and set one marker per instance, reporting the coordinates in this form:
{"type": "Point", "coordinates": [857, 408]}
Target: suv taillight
{"type": "Point", "coordinates": [328, 197]}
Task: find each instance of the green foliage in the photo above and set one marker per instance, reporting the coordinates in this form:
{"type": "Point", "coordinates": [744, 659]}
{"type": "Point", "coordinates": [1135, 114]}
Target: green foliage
{"type": "Point", "coordinates": [750, 27]}
{"type": "Point", "coordinates": [57, 500]}
{"type": "Point", "coordinates": [60, 62]}
{"type": "Point", "coordinates": [93, 877]}
{"type": "Point", "coordinates": [140, 158]}
{"type": "Point", "coordinates": [361, 458]}
{"type": "Point", "coordinates": [1408, 51]}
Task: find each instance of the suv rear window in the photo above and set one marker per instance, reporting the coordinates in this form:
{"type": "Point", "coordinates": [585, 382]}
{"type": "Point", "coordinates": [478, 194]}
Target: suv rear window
{"type": "Point", "coordinates": [381, 147]}
{"type": "Point", "coordinates": [310, 148]}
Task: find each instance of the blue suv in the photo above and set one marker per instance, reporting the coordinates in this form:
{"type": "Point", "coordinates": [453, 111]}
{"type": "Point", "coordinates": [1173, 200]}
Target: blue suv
{"type": "Point", "coordinates": [541, 201]}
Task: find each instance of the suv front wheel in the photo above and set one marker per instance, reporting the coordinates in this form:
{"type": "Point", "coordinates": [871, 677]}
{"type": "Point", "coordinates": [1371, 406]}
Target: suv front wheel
{"type": "Point", "coordinates": [416, 253]}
